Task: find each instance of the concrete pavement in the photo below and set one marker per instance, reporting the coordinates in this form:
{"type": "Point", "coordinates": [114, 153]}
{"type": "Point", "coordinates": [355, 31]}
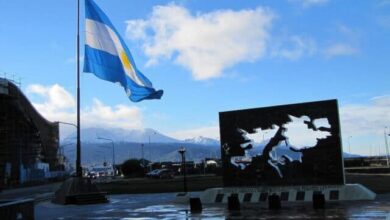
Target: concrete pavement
{"type": "Point", "coordinates": [160, 206]}
{"type": "Point", "coordinates": [38, 193]}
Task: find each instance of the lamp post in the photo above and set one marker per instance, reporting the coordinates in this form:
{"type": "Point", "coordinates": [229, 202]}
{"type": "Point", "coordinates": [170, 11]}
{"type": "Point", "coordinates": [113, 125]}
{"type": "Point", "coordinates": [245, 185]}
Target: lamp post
{"type": "Point", "coordinates": [349, 143]}
{"type": "Point", "coordinates": [62, 150]}
{"type": "Point", "coordinates": [142, 155]}
{"type": "Point", "coordinates": [150, 146]}
{"type": "Point", "coordinates": [79, 170]}
{"type": "Point", "coordinates": [113, 152]}
{"type": "Point", "coordinates": [182, 151]}
{"type": "Point", "coordinates": [387, 147]}
{"type": "Point", "coordinates": [150, 150]}
{"type": "Point", "coordinates": [66, 123]}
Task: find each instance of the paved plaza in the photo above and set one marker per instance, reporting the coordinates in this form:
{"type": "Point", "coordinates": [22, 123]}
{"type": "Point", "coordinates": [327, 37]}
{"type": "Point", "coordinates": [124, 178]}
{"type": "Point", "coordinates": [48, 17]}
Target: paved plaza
{"type": "Point", "coordinates": [161, 206]}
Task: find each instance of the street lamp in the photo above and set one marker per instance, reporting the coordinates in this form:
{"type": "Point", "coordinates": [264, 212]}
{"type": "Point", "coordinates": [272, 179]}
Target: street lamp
{"type": "Point", "coordinates": [349, 143]}
{"type": "Point", "coordinates": [66, 123]}
{"type": "Point", "coordinates": [62, 153]}
{"type": "Point", "coordinates": [79, 170]}
{"type": "Point", "coordinates": [387, 147]}
{"type": "Point", "coordinates": [113, 151]}
{"type": "Point", "coordinates": [142, 156]}
{"type": "Point", "coordinates": [182, 151]}
{"type": "Point", "coordinates": [150, 147]}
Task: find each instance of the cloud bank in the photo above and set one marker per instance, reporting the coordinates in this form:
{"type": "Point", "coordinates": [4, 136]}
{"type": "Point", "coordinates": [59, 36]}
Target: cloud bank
{"type": "Point", "coordinates": [207, 44]}
{"type": "Point", "coordinates": [204, 43]}
{"type": "Point", "coordinates": [207, 131]}
{"type": "Point", "coordinates": [57, 104]}
{"type": "Point", "coordinates": [368, 119]}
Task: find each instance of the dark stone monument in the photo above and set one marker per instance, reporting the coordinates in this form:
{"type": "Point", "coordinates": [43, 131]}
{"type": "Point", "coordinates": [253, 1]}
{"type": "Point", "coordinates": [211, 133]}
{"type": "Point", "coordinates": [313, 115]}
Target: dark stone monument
{"type": "Point", "coordinates": [282, 155]}
{"type": "Point", "coordinates": [289, 151]}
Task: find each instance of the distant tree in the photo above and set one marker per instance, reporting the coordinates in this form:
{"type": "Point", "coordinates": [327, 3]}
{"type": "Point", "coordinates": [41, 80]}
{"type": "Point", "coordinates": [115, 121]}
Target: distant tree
{"type": "Point", "coordinates": [133, 168]}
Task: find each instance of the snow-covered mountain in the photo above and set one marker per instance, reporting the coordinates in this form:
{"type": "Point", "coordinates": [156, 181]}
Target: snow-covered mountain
{"type": "Point", "coordinates": [91, 135]}
{"type": "Point", "coordinates": [202, 141]}
{"type": "Point", "coordinates": [135, 144]}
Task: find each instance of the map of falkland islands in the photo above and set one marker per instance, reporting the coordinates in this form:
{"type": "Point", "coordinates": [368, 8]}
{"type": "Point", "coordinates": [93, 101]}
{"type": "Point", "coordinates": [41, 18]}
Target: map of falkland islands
{"type": "Point", "coordinates": [291, 138]}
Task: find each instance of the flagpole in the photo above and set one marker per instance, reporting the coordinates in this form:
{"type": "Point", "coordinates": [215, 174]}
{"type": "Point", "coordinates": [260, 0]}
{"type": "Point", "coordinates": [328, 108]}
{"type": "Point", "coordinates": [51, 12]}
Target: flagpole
{"type": "Point", "coordinates": [78, 159]}
{"type": "Point", "coordinates": [74, 187]}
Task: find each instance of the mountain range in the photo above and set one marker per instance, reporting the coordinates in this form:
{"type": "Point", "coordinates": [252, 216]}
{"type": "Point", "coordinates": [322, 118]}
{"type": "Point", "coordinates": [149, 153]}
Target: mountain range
{"type": "Point", "coordinates": [150, 144]}
{"type": "Point", "coordinates": [92, 135]}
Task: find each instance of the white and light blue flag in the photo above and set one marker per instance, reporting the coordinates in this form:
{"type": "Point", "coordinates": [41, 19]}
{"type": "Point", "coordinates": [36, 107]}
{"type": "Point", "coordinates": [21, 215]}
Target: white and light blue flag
{"type": "Point", "coordinates": [107, 56]}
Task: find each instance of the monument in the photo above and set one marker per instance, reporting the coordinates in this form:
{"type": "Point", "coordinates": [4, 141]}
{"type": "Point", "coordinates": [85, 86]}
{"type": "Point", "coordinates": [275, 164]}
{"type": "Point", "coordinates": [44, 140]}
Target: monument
{"type": "Point", "coordinates": [293, 151]}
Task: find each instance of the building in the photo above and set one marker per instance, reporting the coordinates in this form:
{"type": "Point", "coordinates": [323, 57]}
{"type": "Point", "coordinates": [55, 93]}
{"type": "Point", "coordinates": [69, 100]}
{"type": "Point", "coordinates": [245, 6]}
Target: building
{"type": "Point", "coordinates": [28, 142]}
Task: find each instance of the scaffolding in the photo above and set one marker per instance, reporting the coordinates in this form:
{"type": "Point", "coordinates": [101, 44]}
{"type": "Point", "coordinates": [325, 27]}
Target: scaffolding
{"type": "Point", "coordinates": [26, 138]}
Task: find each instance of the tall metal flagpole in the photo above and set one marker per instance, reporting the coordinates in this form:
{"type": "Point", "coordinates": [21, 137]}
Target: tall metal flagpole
{"type": "Point", "coordinates": [78, 159]}
{"type": "Point", "coordinates": [75, 187]}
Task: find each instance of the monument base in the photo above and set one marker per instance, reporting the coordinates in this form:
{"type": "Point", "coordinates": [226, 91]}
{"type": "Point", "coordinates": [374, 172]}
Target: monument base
{"type": "Point", "coordinates": [182, 197]}
{"type": "Point", "coordinates": [348, 192]}
{"type": "Point", "coordinates": [78, 190]}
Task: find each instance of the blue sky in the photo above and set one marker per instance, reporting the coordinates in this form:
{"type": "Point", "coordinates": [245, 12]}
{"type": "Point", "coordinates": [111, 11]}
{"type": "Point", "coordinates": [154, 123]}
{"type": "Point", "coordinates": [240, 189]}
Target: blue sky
{"type": "Point", "coordinates": [210, 56]}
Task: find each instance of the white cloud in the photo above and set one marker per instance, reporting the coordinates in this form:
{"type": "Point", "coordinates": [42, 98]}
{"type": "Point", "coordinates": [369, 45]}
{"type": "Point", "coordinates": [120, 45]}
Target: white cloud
{"type": "Point", "coordinates": [121, 116]}
{"type": "Point", "coordinates": [309, 3]}
{"type": "Point", "coordinates": [367, 119]}
{"type": "Point", "coordinates": [210, 132]}
{"type": "Point", "coordinates": [55, 97]}
{"type": "Point", "coordinates": [383, 100]}
{"type": "Point", "coordinates": [207, 43]}
{"type": "Point", "coordinates": [294, 48]}
{"type": "Point", "coordinates": [346, 45]}
{"type": "Point", "coordinates": [340, 49]}
{"type": "Point", "coordinates": [59, 105]}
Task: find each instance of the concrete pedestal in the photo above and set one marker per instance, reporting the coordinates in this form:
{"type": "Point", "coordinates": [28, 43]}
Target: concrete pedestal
{"type": "Point", "coordinates": [348, 192]}
{"type": "Point", "coordinates": [182, 197]}
{"type": "Point", "coordinates": [78, 190]}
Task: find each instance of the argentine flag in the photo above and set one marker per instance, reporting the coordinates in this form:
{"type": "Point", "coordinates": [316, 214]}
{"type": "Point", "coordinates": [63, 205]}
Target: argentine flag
{"type": "Point", "coordinates": [107, 56]}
